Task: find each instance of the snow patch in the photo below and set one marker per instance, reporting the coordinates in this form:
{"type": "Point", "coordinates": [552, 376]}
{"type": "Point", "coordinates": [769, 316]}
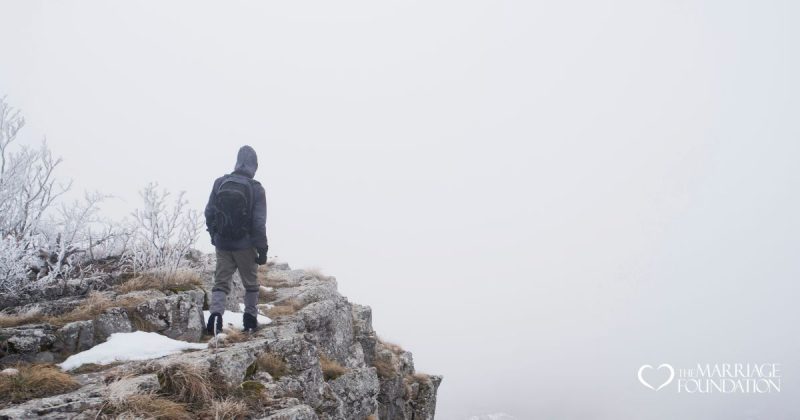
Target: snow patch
{"type": "Point", "coordinates": [234, 319]}
{"type": "Point", "coordinates": [138, 345]}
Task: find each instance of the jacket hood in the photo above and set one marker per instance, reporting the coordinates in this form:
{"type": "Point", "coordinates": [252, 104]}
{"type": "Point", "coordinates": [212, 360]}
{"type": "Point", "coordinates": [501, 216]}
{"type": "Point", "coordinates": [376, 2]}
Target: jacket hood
{"type": "Point", "coordinates": [246, 161]}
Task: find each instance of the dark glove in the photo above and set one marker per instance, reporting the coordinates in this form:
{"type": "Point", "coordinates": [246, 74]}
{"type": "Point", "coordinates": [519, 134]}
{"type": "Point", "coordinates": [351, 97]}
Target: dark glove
{"type": "Point", "coordinates": [262, 256]}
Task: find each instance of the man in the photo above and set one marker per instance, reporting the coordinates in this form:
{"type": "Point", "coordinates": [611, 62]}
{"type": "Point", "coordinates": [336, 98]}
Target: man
{"type": "Point", "coordinates": [236, 216]}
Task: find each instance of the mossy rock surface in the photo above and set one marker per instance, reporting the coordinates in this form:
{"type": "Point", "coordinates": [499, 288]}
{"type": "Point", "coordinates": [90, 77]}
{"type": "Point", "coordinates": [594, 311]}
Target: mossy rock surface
{"type": "Point", "coordinates": [253, 386]}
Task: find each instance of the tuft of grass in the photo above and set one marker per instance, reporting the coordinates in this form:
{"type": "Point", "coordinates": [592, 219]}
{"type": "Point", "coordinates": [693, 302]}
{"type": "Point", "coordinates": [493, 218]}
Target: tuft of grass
{"type": "Point", "coordinates": [421, 378]}
{"type": "Point", "coordinates": [286, 308]}
{"type": "Point", "coordinates": [93, 368]}
{"type": "Point", "coordinates": [32, 315]}
{"type": "Point", "coordinates": [272, 364]}
{"type": "Point", "coordinates": [394, 348]}
{"type": "Point", "coordinates": [384, 368]}
{"type": "Point", "coordinates": [331, 369]}
{"type": "Point", "coordinates": [266, 294]}
{"type": "Point", "coordinates": [229, 336]}
{"type": "Point", "coordinates": [34, 381]}
{"type": "Point", "coordinates": [234, 335]}
{"type": "Point", "coordinates": [178, 281]}
{"type": "Point", "coordinates": [186, 383]}
{"type": "Point", "coordinates": [93, 306]}
{"type": "Point", "coordinates": [270, 296]}
{"type": "Point", "coordinates": [253, 386]}
{"type": "Point", "coordinates": [226, 409]}
{"type": "Point", "coordinates": [150, 406]}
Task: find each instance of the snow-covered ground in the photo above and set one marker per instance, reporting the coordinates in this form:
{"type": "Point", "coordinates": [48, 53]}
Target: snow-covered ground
{"type": "Point", "coordinates": [138, 345]}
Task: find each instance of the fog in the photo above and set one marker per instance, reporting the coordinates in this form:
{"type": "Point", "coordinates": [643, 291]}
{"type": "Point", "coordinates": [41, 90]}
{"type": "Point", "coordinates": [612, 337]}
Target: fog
{"type": "Point", "coordinates": [535, 198]}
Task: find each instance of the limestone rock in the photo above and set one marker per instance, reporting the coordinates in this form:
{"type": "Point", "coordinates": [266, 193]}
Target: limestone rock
{"type": "Point", "coordinates": [298, 412]}
{"type": "Point", "coordinates": [64, 406]}
{"type": "Point", "coordinates": [357, 390]}
{"type": "Point", "coordinates": [379, 378]}
{"type": "Point", "coordinates": [178, 316]}
{"type": "Point", "coordinates": [75, 337]}
{"type": "Point", "coordinates": [111, 321]}
{"type": "Point", "coordinates": [26, 340]}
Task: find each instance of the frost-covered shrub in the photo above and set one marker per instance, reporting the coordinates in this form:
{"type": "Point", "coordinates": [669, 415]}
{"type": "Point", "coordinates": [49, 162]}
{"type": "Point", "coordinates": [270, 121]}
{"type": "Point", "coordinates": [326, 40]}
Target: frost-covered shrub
{"type": "Point", "coordinates": [43, 239]}
{"type": "Point", "coordinates": [164, 231]}
{"type": "Point", "coordinates": [15, 262]}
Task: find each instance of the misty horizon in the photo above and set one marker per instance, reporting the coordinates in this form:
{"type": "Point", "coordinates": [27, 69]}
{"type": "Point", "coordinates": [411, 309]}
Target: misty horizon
{"type": "Point", "coordinates": [535, 198]}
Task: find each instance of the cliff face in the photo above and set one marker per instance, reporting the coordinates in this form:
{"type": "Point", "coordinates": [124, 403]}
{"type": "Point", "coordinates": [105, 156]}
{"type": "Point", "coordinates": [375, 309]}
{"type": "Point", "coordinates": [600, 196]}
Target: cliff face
{"type": "Point", "coordinates": [319, 358]}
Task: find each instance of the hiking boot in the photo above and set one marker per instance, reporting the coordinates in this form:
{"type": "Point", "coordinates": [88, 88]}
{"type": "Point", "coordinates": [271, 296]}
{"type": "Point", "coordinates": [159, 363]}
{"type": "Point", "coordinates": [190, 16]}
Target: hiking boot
{"type": "Point", "coordinates": [214, 325]}
{"type": "Point", "coordinates": [250, 323]}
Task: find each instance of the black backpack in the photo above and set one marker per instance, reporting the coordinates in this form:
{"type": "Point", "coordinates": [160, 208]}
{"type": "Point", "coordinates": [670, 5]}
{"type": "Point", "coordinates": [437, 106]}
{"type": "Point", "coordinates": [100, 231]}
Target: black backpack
{"type": "Point", "coordinates": [233, 206]}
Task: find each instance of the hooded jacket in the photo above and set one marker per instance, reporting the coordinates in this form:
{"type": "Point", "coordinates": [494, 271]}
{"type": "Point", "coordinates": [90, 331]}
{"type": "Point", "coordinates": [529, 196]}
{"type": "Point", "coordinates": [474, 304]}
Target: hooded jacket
{"type": "Point", "coordinates": [246, 166]}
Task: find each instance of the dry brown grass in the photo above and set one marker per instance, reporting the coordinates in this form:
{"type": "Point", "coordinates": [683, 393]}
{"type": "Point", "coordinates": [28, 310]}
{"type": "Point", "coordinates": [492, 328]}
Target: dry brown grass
{"type": "Point", "coordinates": [226, 409]}
{"type": "Point", "coordinates": [89, 308]}
{"type": "Point", "coordinates": [274, 278]}
{"type": "Point", "coordinates": [94, 305]}
{"type": "Point", "coordinates": [284, 309]}
{"type": "Point", "coordinates": [34, 381]}
{"type": "Point", "coordinates": [266, 294]}
{"type": "Point", "coordinates": [186, 383]}
{"type": "Point", "coordinates": [421, 378]}
{"type": "Point", "coordinates": [230, 336]}
{"type": "Point", "coordinates": [394, 348]}
{"type": "Point", "coordinates": [331, 369]}
{"type": "Point", "coordinates": [176, 282]}
{"type": "Point", "coordinates": [151, 406]}
{"type": "Point", "coordinates": [93, 368]}
{"type": "Point", "coordinates": [272, 364]}
{"type": "Point", "coordinates": [264, 269]}
{"type": "Point", "coordinates": [32, 315]}
{"type": "Point", "coordinates": [384, 368]}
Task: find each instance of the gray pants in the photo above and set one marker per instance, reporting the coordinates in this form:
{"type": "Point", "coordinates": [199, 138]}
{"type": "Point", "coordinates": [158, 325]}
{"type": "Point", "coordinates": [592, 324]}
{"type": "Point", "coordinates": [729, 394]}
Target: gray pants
{"type": "Point", "coordinates": [227, 263]}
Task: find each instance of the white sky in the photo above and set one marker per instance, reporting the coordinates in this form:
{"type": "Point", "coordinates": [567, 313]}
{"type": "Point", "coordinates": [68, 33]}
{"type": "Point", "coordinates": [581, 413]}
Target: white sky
{"type": "Point", "coordinates": [536, 198]}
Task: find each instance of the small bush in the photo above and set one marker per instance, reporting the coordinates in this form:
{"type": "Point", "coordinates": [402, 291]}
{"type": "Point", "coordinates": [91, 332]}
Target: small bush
{"type": "Point", "coordinates": [150, 406]}
{"type": "Point", "coordinates": [227, 409]}
{"type": "Point", "coordinates": [331, 369]}
{"type": "Point", "coordinates": [34, 381]}
{"type": "Point", "coordinates": [272, 364]}
{"type": "Point", "coordinates": [394, 348]}
{"type": "Point", "coordinates": [421, 378]}
{"type": "Point", "coordinates": [186, 383]}
{"type": "Point", "coordinates": [384, 368]}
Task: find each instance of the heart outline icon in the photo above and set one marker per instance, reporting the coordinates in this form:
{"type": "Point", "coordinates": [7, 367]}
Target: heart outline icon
{"type": "Point", "coordinates": [640, 373]}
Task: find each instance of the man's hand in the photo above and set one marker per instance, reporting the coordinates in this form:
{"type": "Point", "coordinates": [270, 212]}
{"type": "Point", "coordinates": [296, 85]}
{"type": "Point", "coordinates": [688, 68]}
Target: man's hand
{"type": "Point", "coordinates": [262, 256]}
